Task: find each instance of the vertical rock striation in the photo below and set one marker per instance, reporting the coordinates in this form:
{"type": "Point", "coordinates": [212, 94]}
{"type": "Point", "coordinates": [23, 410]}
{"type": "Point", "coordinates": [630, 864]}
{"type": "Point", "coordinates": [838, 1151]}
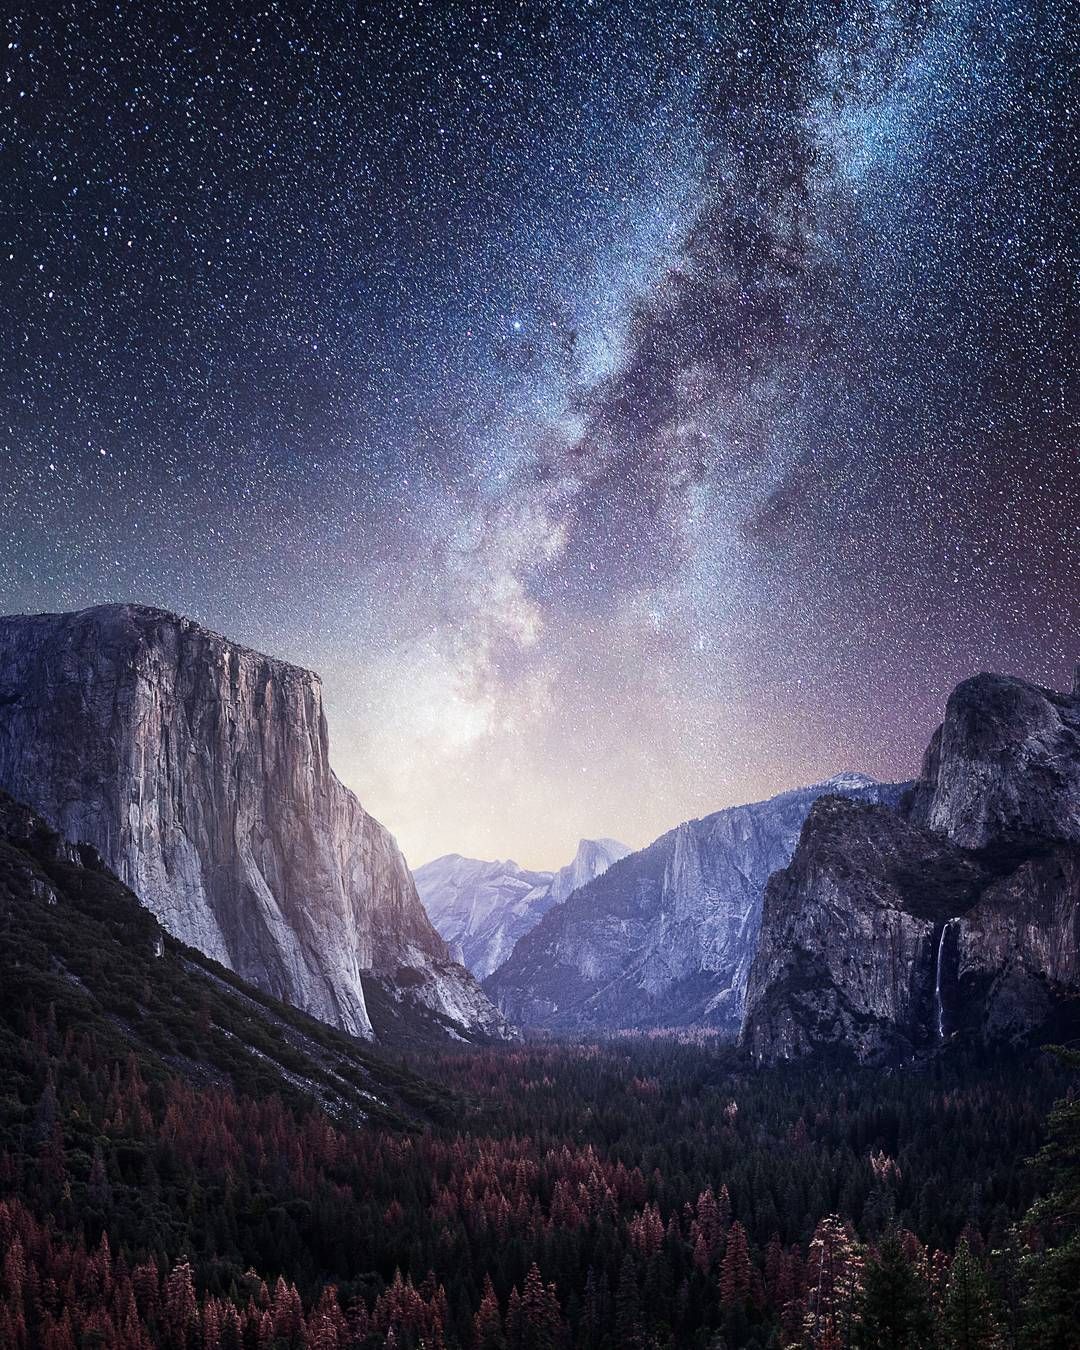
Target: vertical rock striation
{"type": "Point", "coordinates": [889, 933]}
{"type": "Point", "coordinates": [850, 933]}
{"type": "Point", "coordinates": [666, 935]}
{"type": "Point", "coordinates": [200, 772]}
{"type": "Point", "coordinates": [483, 908]}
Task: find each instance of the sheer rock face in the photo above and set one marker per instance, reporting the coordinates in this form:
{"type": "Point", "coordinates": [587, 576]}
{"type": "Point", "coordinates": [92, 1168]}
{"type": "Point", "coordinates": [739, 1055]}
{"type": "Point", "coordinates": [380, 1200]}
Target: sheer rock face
{"type": "Point", "coordinates": [849, 936]}
{"type": "Point", "coordinates": [483, 908]}
{"type": "Point", "coordinates": [666, 935]}
{"type": "Point", "coordinates": [1017, 952]}
{"type": "Point", "coordinates": [200, 772]}
{"type": "Point", "coordinates": [888, 934]}
{"type": "Point", "coordinates": [1004, 766]}
{"type": "Point", "coordinates": [592, 860]}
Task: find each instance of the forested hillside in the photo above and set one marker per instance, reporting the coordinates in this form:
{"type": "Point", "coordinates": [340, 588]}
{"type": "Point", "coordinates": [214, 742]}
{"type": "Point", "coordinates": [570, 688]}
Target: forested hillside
{"type": "Point", "coordinates": [187, 1163]}
{"type": "Point", "coordinates": [645, 1194]}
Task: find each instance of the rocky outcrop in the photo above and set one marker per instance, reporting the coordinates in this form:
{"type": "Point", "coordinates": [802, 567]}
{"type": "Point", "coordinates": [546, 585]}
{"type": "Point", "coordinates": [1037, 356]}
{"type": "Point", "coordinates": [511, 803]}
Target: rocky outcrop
{"type": "Point", "coordinates": [849, 936]}
{"type": "Point", "coordinates": [1016, 954]}
{"type": "Point", "coordinates": [1004, 766]}
{"type": "Point", "coordinates": [592, 860]}
{"type": "Point", "coordinates": [890, 933]}
{"type": "Point", "coordinates": [665, 936]}
{"type": "Point", "coordinates": [482, 908]}
{"type": "Point", "coordinates": [76, 944]}
{"type": "Point", "coordinates": [200, 772]}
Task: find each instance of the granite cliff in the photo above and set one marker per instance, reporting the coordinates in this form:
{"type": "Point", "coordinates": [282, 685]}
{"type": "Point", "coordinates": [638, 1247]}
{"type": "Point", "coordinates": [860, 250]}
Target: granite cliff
{"type": "Point", "coordinates": [888, 933]}
{"type": "Point", "coordinates": [666, 935]}
{"type": "Point", "coordinates": [483, 908]}
{"type": "Point", "coordinates": [1003, 767]}
{"type": "Point", "coordinates": [78, 952]}
{"type": "Point", "coordinates": [200, 772]}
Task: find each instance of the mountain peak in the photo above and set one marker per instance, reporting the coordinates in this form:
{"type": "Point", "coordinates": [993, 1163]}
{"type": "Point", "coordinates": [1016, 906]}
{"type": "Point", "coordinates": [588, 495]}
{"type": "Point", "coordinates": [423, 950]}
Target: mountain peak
{"type": "Point", "coordinates": [887, 933]}
{"type": "Point", "coordinates": [593, 857]}
{"type": "Point", "coordinates": [603, 843]}
{"type": "Point", "coordinates": [666, 935]}
{"type": "Point", "coordinates": [482, 909]}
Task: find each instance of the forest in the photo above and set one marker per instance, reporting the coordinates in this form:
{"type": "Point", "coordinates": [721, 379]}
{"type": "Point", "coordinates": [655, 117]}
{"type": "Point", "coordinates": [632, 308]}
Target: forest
{"type": "Point", "coordinates": [640, 1193]}
{"type": "Point", "coordinates": [187, 1162]}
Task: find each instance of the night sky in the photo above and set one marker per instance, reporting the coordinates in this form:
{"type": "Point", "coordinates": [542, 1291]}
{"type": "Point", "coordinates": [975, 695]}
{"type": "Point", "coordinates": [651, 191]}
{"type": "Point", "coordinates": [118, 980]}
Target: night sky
{"type": "Point", "coordinates": [629, 409]}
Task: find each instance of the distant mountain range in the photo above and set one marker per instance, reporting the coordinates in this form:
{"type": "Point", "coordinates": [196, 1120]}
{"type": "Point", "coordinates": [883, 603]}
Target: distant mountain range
{"type": "Point", "coordinates": [666, 935]}
{"type": "Point", "coordinates": [482, 909]}
{"type": "Point", "coordinates": [854, 917]}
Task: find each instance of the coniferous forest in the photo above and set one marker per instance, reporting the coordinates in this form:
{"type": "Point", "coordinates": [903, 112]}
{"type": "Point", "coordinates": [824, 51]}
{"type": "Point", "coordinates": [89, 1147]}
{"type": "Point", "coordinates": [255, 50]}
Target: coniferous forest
{"type": "Point", "coordinates": [640, 1193]}
{"type": "Point", "coordinates": [186, 1162]}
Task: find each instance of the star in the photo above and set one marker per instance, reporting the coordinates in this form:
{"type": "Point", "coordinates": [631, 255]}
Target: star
{"type": "Point", "coordinates": [758, 440]}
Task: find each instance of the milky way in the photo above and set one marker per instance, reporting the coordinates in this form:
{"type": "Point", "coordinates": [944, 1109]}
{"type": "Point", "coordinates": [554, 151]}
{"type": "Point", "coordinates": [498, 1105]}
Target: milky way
{"type": "Point", "coordinates": [629, 410]}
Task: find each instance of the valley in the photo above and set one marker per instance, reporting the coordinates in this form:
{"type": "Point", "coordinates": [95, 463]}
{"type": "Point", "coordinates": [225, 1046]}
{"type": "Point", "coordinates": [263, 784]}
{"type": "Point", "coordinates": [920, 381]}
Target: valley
{"type": "Point", "coordinates": [780, 1078]}
{"type": "Point", "coordinates": [539, 676]}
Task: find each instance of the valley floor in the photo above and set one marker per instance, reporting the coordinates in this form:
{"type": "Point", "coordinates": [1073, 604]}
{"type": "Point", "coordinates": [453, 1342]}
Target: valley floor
{"type": "Point", "coordinates": [636, 1193]}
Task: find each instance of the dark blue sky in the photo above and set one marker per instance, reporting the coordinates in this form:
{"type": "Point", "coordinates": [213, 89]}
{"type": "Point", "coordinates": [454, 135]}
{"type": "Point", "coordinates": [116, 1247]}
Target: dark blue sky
{"type": "Point", "coordinates": [629, 409]}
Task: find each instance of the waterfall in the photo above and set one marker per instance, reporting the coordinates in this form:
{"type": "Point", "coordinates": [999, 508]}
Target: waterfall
{"type": "Point", "coordinates": [938, 1006]}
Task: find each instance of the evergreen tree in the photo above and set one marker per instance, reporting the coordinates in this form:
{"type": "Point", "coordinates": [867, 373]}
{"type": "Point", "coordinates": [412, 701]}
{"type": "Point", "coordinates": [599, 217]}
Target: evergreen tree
{"type": "Point", "coordinates": [895, 1309]}
{"type": "Point", "coordinates": [629, 1329]}
{"type": "Point", "coordinates": [180, 1306]}
{"type": "Point", "coordinates": [968, 1320]}
{"type": "Point", "coordinates": [487, 1325]}
{"type": "Point", "coordinates": [326, 1328]}
{"type": "Point", "coordinates": [592, 1312]}
{"type": "Point", "coordinates": [735, 1269]}
{"type": "Point", "coordinates": [541, 1314]}
{"type": "Point", "coordinates": [833, 1285]}
{"type": "Point", "coordinates": [1052, 1306]}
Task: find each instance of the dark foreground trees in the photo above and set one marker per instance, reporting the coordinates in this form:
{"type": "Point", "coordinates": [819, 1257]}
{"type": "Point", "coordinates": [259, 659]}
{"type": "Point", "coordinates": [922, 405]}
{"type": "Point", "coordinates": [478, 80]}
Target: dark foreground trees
{"type": "Point", "coordinates": [647, 1194]}
{"type": "Point", "coordinates": [1052, 1305]}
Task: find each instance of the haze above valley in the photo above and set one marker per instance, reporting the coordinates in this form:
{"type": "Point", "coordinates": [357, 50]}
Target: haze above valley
{"type": "Point", "coordinates": [627, 411]}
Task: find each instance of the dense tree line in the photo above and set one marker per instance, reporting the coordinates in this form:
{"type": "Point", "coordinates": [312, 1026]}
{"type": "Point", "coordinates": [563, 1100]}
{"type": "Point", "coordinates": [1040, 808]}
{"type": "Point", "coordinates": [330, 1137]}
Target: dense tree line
{"type": "Point", "coordinates": [634, 1194]}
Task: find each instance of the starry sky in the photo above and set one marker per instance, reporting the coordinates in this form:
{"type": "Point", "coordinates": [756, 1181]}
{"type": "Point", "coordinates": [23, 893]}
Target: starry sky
{"type": "Point", "coordinates": [629, 408]}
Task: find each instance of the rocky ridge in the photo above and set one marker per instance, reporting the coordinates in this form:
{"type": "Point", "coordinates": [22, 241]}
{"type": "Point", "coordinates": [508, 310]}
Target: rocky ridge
{"type": "Point", "coordinates": [483, 908]}
{"type": "Point", "coordinates": [666, 935]}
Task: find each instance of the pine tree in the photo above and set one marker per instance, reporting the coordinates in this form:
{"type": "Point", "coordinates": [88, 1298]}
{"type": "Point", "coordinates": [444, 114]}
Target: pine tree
{"type": "Point", "coordinates": [326, 1326]}
{"type": "Point", "coordinates": [629, 1330]}
{"type": "Point", "coordinates": [288, 1314]}
{"type": "Point", "coordinates": [180, 1307]}
{"type": "Point", "coordinates": [591, 1309]}
{"type": "Point", "coordinates": [895, 1310]}
{"type": "Point", "coordinates": [735, 1269]}
{"type": "Point", "coordinates": [487, 1324]}
{"type": "Point", "coordinates": [1052, 1305]}
{"type": "Point", "coordinates": [98, 1190]}
{"type": "Point", "coordinates": [968, 1321]}
{"type": "Point", "coordinates": [833, 1284]}
{"type": "Point", "coordinates": [540, 1313]}
{"type": "Point", "coordinates": [515, 1320]}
